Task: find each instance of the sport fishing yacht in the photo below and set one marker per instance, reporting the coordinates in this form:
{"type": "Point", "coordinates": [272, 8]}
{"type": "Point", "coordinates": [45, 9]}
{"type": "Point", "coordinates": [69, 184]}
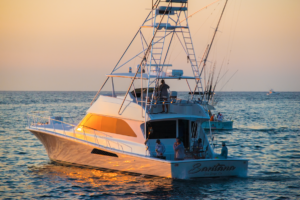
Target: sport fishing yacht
{"type": "Point", "coordinates": [119, 132]}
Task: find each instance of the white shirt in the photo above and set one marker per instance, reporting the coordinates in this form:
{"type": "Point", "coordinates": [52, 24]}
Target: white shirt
{"type": "Point", "coordinates": [220, 118]}
{"type": "Point", "coordinates": [160, 149]}
{"type": "Point", "coordinates": [179, 151]}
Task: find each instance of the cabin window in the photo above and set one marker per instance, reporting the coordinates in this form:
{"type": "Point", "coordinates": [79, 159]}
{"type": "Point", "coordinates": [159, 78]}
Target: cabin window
{"type": "Point", "coordinates": [162, 129]}
{"type": "Point", "coordinates": [107, 124]}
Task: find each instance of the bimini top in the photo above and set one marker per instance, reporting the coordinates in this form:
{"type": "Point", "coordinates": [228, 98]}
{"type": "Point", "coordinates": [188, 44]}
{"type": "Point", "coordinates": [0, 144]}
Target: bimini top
{"type": "Point", "coordinates": [163, 8]}
{"type": "Point", "coordinates": [145, 76]}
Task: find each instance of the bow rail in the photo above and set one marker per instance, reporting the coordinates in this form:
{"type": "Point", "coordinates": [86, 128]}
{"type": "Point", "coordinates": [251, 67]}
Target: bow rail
{"type": "Point", "coordinates": [59, 127]}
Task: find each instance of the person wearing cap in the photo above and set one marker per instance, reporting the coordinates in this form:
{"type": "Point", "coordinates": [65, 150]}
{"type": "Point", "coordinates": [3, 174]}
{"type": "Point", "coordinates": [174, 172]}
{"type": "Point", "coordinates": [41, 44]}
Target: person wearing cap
{"type": "Point", "coordinates": [179, 150]}
{"type": "Point", "coordinates": [163, 89]}
{"type": "Point", "coordinates": [224, 151]}
{"type": "Point", "coordinates": [160, 149]}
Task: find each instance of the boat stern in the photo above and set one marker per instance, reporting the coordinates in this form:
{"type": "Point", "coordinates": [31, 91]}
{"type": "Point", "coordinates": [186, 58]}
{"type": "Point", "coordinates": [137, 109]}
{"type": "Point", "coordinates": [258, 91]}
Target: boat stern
{"type": "Point", "coordinates": [209, 168]}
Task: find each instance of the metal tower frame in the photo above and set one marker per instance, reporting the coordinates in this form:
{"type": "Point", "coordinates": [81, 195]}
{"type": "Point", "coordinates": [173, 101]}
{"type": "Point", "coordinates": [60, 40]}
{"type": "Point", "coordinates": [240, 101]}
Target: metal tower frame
{"type": "Point", "coordinates": [167, 18]}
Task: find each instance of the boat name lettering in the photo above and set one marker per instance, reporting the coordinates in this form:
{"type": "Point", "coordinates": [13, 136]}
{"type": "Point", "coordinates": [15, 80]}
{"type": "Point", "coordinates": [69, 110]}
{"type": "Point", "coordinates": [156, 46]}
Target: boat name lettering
{"type": "Point", "coordinates": [218, 167]}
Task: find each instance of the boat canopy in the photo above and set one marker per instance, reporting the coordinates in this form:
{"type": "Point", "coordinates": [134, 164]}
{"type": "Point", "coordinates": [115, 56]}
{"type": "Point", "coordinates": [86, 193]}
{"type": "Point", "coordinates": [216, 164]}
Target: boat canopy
{"type": "Point", "coordinates": [166, 26]}
{"type": "Point", "coordinates": [145, 76]}
{"type": "Point", "coordinates": [177, 1]}
{"type": "Point", "coordinates": [164, 8]}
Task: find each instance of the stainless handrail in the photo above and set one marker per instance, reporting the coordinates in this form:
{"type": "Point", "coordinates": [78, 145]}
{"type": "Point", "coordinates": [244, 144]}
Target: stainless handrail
{"type": "Point", "coordinates": [84, 134]}
{"type": "Point", "coordinates": [34, 118]}
{"type": "Point", "coordinates": [178, 101]}
{"type": "Point", "coordinates": [64, 123]}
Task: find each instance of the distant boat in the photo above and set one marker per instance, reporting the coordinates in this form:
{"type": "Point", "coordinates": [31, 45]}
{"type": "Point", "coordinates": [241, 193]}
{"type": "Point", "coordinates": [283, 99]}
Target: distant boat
{"type": "Point", "coordinates": [272, 92]}
{"type": "Point", "coordinates": [216, 125]}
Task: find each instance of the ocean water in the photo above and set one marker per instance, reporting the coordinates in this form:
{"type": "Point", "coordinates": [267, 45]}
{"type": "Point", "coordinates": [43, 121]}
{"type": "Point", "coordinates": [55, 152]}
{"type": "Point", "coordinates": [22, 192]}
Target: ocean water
{"type": "Point", "coordinates": [266, 131]}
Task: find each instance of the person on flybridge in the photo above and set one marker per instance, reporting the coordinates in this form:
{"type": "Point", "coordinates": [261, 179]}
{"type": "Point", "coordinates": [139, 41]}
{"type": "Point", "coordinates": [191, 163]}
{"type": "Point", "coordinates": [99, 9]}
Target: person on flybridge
{"type": "Point", "coordinates": [163, 89]}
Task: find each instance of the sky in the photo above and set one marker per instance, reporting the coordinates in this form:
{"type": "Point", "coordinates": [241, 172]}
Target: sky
{"type": "Point", "coordinates": [69, 45]}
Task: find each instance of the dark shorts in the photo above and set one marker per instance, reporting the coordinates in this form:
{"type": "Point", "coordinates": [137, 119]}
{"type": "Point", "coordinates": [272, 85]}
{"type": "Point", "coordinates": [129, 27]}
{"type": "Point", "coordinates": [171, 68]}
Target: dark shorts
{"type": "Point", "coordinates": [163, 98]}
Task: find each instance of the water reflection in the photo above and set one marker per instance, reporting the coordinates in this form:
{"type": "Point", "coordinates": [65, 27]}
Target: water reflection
{"type": "Point", "coordinates": [266, 131]}
{"type": "Point", "coordinates": [90, 183]}
{"type": "Point", "coordinates": [102, 181]}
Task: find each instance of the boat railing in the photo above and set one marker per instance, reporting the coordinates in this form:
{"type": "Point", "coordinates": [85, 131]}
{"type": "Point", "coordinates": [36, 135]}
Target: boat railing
{"type": "Point", "coordinates": [169, 102]}
{"type": "Point", "coordinates": [71, 130]}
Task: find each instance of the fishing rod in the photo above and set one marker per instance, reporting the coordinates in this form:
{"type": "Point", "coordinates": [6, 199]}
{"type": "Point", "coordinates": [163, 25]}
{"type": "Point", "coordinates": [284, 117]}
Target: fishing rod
{"type": "Point", "coordinates": [222, 77]}
{"type": "Point", "coordinates": [208, 82]}
{"type": "Point", "coordinates": [229, 79]}
{"type": "Point", "coordinates": [213, 38]}
{"type": "Point", "coordinates": [200, 64]}
{"type": "Point", "coordinates": [218, 75]}
{"type": "Point", "coordinates": [214, 88]}
{"type": "Point", "coordinates": [210, 91]}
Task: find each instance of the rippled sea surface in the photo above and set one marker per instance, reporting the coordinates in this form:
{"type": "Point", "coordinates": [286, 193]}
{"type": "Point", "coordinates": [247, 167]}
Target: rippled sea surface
{"type": "Point", "coordinates": [266, 131]}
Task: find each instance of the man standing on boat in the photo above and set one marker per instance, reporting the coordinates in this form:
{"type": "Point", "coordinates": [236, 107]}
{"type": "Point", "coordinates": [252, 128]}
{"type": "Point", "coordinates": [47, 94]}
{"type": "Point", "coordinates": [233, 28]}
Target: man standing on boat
{"type": "Point", "coordinates": [160, 149]}
{"type": "Point", "coordinates": [224, 151]}
{"type": "Point", "coordinates": [179, 150]}
{"type": "Point", "coordinates": [163, 89]}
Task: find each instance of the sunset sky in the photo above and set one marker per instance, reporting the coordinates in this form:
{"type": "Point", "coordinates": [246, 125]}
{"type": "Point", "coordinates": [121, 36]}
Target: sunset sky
{"type": "Point", "coordinates": [69, 45]}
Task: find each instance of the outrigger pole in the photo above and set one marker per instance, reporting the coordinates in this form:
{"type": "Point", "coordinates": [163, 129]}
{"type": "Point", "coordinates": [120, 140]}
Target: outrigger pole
{"type": "Point", "coordinates": [212, 40]}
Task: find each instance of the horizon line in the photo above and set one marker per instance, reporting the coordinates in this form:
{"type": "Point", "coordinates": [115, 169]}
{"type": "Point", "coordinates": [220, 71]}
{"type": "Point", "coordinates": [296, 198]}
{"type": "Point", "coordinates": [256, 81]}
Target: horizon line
{"type": "Point", "coordinates": [115, 91]}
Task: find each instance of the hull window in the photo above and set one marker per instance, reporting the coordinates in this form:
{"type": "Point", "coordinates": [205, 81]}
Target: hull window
{"type": "Point", "coordinates": [103, 153]}
{"type": "Point", "coordinates": [106, 124]}
{"type": "Point", "coordinates": [162, 129]}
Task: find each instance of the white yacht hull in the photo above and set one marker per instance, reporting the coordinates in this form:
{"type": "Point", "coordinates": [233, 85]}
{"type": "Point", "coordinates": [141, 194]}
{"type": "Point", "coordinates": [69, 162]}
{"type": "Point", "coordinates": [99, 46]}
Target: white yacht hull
{"type": "Point", "coordinates": [70, 150]}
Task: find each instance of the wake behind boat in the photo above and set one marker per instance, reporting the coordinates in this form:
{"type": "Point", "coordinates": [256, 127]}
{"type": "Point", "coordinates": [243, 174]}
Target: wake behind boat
{"type": "Point", "coordinates": [120, 132]}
